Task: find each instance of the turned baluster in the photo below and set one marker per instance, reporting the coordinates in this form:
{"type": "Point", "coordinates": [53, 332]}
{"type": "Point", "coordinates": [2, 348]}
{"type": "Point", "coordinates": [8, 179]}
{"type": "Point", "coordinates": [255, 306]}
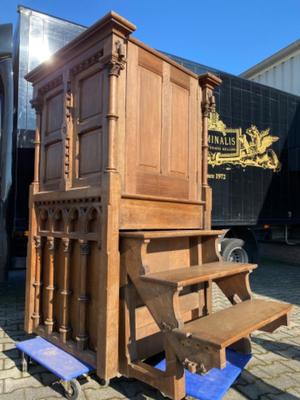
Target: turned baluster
{"type": "Point", "coordinates": [81, 336]}
{"type": "Point", "coordinates": [37, 281]}
{"type": "Point", "coordinates": [49, 322]}
{"type": "Point", "coordinates": [64, 328]}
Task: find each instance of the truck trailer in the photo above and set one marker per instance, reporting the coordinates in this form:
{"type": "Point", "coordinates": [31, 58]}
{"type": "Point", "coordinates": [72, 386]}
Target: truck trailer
{"type": "Point", "coordinates": [254, 155]}
{"type": "Point", "coordinates": [254, 163]}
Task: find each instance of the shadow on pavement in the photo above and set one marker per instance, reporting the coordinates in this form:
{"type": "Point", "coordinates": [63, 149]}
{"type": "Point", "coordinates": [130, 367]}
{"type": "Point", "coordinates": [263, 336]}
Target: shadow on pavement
{"type": "Point", "coordinates": [287, 350]}
{"type": "Point", "coordinates": [277, 280]}
{"type": "Point", "coordinates": [252, 387]}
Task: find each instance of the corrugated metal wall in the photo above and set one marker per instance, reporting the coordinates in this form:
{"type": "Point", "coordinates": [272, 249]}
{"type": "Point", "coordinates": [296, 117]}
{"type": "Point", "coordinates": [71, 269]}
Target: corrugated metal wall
{"type": "Point", "coordinates": [283, 75]}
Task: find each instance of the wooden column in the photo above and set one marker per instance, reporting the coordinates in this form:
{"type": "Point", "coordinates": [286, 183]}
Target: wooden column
{"type": "Point", "coordinates": [37, 281]}
{"type": "Point", "coordinates": [81, 334]}
{"type": "Point", "coordinates": [109, 272]}
{"type": "Point", "coordinates": [207, 82]}
{"type": "Point", "coordinates": [49, 322]}
{"type": "Point", "coordinates": [64, 328]}
{"type": "Point", "coordinates": [37, 104]}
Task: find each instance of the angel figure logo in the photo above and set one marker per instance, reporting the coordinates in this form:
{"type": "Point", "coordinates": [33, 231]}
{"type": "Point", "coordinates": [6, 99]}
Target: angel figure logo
{"type": "Point", "coordinates": [232, 146]}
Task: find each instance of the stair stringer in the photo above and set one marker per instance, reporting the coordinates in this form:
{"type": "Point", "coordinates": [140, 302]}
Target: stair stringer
{"type": "Point", "coordinates": [161, 300]}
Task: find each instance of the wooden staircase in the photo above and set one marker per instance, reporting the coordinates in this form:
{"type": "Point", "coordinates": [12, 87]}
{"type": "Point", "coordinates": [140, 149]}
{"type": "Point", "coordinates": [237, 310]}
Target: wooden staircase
{"type": "Point", "coordinates": [198, 342]}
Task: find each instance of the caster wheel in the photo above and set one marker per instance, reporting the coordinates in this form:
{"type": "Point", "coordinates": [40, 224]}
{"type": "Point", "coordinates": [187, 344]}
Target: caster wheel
{"type": "Point", "coordinates": [104, 382]}
{"type": "Point", "coordinates": [24, 363]}
{"type": "Point", "coordinates": [73, 390]}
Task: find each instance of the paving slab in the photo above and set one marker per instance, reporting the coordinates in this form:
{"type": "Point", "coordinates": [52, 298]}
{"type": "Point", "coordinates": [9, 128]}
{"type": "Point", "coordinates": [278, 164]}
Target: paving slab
{"type": "Point", "coordinates": [273, 373]}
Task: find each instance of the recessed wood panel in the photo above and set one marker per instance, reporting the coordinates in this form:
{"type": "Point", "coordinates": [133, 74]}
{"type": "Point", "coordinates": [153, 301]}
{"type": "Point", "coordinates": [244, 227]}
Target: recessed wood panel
{"type": "Point", "coordinates": [179, 140]}
{"type": "Point", "coordinates": [90, 94]}
{"type": "Point", "coordinates": [179, 77]}
{"type": "Point", "coordinates": [89, 152]}
{"type": "Point", "coordinates": [147, 214]}
{"type": "Point", "coordinates": [150, 62]}
{"type": "Point", "coordinates": [150, 119]}
{"type": "Point", "coordinates": [168, 254]}
{"type": "Point", "coordinates": [160, 185]}
{"type": "Point", "coordinates": [54, 113]}
{"type": "Point", "coordinates": [53, 159]}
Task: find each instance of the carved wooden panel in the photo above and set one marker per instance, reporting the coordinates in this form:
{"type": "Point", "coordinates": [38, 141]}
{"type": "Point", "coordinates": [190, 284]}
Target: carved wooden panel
{"type": "Point", "coordinates": [54, 113]}
{"type": "Point", "coordinates": [70, 232]}
{"type": "Point", "coordinates": [150, 120]}
{"type": "Point", "coordinates": [89, 153]}
{"type": "Point", "coordinates": [90, 103]}
{"type": "Point", "coordinates": [162, 128]}
{"type": "Point", "coordinates": [179, 137]}
{"type": "Point", "coordinates": [53, 161]}
{"type": "Point", "coordinates": [52, 138]}
{"type": "Point", "coordinates": [88, 143]}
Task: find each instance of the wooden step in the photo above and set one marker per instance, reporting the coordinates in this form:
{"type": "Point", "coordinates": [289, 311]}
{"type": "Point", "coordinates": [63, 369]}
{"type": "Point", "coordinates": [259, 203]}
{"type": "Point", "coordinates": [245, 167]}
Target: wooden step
{"type": "Point", "coordinates": [196, 274]}
{"type": "Point", "coordinates": [226, 327]}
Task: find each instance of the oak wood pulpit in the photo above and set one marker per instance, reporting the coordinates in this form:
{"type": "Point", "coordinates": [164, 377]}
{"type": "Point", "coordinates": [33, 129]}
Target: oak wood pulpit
{"type": "Point", "coordinates": [121, 255]}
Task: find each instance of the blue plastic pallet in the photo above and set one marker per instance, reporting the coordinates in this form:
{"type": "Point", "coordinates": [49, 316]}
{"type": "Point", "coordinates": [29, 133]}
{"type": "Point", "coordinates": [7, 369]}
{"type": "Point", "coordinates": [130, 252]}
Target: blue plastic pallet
{"type": "Point", "coordinates": [59, 362]}
{"type": "Point", "coordinates": [214, 384]}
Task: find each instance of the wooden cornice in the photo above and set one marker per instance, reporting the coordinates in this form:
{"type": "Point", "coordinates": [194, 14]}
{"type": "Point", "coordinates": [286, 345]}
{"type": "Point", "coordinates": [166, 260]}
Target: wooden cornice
{"type": "Point", "coordinates": [110, 23]}
{"type": "Point", "coordinates": [209, 80]}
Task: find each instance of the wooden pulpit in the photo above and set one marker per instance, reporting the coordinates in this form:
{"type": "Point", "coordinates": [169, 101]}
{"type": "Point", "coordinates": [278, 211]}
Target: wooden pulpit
{"type": "Point", "coordinates": [121, 255]}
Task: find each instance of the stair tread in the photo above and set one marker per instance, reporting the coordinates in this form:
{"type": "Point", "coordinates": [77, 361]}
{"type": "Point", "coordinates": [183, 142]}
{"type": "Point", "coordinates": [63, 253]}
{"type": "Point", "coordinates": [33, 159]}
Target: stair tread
{"type": "Point", "coordinates": [226, 327]}
{"type": "Point", "coordinates": [197, 274]}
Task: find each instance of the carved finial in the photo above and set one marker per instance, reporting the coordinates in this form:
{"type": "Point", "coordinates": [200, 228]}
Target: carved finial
{"type": "Point", "coordinates": [51, 243]}
{"type": "Point", "coordinates": [66, 245]}
{"type": "Point", "coordinates": [37, 242]}
{"type": "Point", "coordinates": [115, 67]}
{"type": "Point", "coordinates": [37, 104]}
{"type": "Point", "coordinates": [209, 106]}
{"type": "Point", "coordinates": [205, 108]}
{"type": "Point", "coordinates": [120, 50]}
{"type": "Point", "coordinates": [117, 63]}
{"type": "Point", "coordinates": [212, 105]}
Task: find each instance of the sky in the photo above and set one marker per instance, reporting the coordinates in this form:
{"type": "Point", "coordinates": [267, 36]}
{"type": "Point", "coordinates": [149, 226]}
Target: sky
{"type": "Point", "coordinates": [230, 35]}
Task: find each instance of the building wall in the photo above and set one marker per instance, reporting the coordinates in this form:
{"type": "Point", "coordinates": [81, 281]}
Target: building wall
{"type": "Point", "coordinates": [283, 74]}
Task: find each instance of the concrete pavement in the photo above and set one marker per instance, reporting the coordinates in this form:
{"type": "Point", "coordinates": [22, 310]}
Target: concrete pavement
{"type": "Point", "coordinates": [273, 373]}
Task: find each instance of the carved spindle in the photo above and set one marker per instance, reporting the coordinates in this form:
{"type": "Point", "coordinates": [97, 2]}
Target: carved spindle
{"type": "Point", "coordinates": [37, 104]}
{"type": "Point", "coordinates": [37, 281]}
{"type": "Point", "coordinates": [207, 82]}
{"type": "Point", "coordinates": [65, 293]}
{"type": "Point", "coordinates": [49, 322]}
{"type": "Point", "coordinates": [81, 336]}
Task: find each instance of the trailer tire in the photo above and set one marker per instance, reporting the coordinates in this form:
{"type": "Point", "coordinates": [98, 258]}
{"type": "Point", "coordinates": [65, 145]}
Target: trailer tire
{"type": "Point", "coordinates": [233, 250]}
